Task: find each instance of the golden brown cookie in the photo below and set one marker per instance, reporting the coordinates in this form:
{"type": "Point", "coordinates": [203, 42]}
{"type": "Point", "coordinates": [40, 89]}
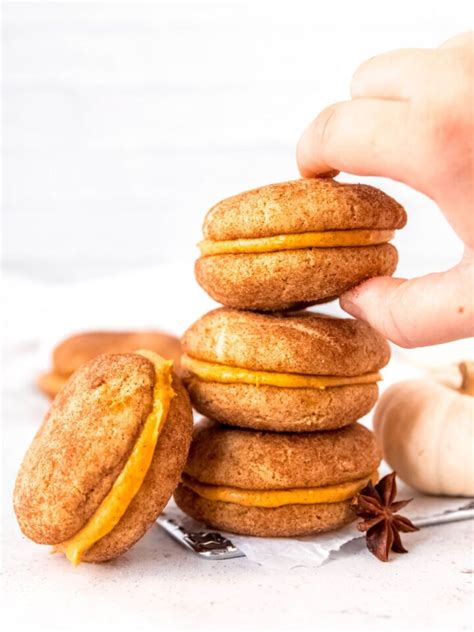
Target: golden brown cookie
{"type": "Point", "coordinates": [273, 484]}
{"type": "Point", "coordinates": [106, 458]}
{"type": "Point", "coordinates": [291, 372]}
{"type": "Point", "coordinates": [51, 383]}
{"type": "Point", "coordinates": [72, 352]}
{"type": "Point", "coordinates": [296, 243]}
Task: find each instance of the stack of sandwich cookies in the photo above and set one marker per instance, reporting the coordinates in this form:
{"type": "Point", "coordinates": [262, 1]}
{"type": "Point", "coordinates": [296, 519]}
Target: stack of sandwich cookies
{"type": "Point", "coordinates": [107, 457]}
{"type": "Point", "coordinates": [74, 351]}
{"type": "Point", "coordinates": [296, 243]}
{"type": "Point", "coordinates": [283, 454]}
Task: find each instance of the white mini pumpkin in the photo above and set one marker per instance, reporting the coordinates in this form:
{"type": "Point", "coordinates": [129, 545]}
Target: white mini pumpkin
{"type": "Point", "coordinates": [426, 430]}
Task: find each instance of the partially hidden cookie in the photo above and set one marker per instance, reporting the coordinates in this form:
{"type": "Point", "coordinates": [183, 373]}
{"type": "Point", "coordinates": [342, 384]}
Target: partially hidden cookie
{"type": "Point", "coordinates": [275, 485]}
{"type": "Point", "coordinates": [292, 372]}
{"type": "Point", "coordinates": [72, 352]}
{"type": "Point", "coordinates": [296, 243]}
{"type": "Point", "coordinates": [106, 458]}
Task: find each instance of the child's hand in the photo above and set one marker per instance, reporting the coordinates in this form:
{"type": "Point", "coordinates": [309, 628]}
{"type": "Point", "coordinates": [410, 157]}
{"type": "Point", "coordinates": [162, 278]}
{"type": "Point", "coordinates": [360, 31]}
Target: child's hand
{"type": "Point", "coordinates": [411, 118]}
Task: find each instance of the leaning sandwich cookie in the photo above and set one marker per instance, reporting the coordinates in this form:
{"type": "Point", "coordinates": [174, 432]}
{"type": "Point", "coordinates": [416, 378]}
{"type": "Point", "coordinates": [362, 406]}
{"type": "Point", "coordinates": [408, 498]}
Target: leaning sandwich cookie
{"type": "Point", "coordinates": [296, 243]}
{"type": "Point", "coordinates": [106, 458]}
{"type": "Point", "coordinates": [73, 351]}
{"type": "Point", "coordinates": [272, 484]}
{"type": "Point", "coordinates": [290, 372]}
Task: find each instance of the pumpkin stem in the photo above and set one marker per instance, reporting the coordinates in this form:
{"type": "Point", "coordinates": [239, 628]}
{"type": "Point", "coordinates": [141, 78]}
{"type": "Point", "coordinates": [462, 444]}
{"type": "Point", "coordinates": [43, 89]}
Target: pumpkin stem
{"type": "Point", "coordinates": [467, 372]}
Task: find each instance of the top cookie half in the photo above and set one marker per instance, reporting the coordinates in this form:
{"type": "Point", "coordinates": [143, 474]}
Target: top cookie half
{"type": "Point", "coordinates": [298, 242]}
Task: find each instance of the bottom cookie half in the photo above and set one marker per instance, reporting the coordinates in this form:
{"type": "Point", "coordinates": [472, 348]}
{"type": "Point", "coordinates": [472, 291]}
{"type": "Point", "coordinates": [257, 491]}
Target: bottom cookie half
{"type": "Point", "coordinates": [285, 521]}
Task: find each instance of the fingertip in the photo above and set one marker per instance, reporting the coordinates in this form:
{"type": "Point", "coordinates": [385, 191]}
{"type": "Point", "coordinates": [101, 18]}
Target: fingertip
{"type": "Point", "coordinates": [366, 300]}
{"type": "Point", "coordinates": [417, 312]}
{"type": "Point", "coordinates": [303, 154]}
{"type": "Point", "coordinates": [310, 148]}
{"type": "Point", "coordinates": [349, 302]}
{"type": "Point", "coordinates": [380, 301]}
{"type": "Point", "coordinates": [351, 308]}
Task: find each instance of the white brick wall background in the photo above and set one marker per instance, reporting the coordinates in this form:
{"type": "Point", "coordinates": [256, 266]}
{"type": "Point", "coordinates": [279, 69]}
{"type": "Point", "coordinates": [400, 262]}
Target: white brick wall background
{"type": "Point", "coordinates": [123, 123]}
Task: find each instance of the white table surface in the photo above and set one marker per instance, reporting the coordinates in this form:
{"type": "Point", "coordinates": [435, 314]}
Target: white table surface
{"type": "Point", "coordinates": [158, 585]}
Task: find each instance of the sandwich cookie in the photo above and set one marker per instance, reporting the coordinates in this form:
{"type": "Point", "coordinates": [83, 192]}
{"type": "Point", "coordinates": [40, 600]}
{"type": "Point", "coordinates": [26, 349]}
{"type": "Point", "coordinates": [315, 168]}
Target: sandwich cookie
{"type": "Point", "coordinates": [106, 458]}
{"type": "Point", "coordinates": [75, 350]}
{"type": "Point", "coordinates": [290, 372]}
{"type": "Point", "coordinates": [296, 243]}
{"type": "Point", "coordinates": [271, 484]}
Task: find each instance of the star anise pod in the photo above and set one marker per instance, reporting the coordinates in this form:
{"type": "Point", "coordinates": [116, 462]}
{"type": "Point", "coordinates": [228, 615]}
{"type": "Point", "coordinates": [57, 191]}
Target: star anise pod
{"type": "Point", "coordinates": [377, 506]}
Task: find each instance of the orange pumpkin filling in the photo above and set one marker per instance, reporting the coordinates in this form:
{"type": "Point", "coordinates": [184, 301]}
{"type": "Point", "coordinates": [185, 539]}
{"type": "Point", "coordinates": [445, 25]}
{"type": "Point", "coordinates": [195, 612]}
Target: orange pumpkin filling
{"type": "Point", "coordinates": [325, 239]}
{"type": "Point", "coordinates": [130, 479]}
{"type": "Point", "coordinates": [209, 372]}
{"type": "Point", "coordinates": [279, 497]}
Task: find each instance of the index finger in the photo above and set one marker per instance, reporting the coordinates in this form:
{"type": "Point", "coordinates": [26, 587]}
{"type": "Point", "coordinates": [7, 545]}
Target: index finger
{"type": "Point", "coordinates": [365, 137]}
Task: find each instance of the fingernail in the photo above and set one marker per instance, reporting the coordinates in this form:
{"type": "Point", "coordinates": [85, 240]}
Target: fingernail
{"type": "Point", "coordinates": [346, 301]}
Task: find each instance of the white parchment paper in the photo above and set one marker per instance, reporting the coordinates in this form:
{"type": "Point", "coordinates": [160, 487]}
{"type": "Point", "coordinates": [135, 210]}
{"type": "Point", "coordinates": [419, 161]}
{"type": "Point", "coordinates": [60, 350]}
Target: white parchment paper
{"type": "Point", "coordinates": [312, 551]}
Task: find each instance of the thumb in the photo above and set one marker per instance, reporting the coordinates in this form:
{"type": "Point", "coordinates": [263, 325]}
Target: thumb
{"type": "Point", "coordinates": [413, 313]}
